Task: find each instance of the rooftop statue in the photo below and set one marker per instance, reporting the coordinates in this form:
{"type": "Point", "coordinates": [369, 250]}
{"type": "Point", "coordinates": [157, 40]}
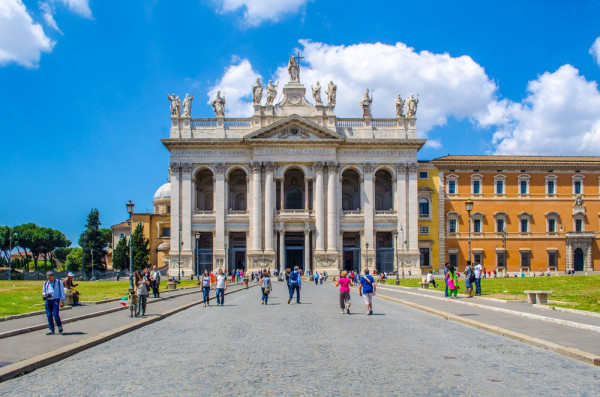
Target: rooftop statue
{"type": "Point", "coordinates": [218, 105]}
{"type": "Point", "coordinates": [187, 105]}
{"type": "Point", "coordinates": [316, 91]}
{"type": "Point", "coordinates": [366, 102]}
{"type": "Point", "coordinates": [331, 89]}
{"type": "Point", "coordinates": [257, 91]}
{"type": "Point", "coordinates": [175, 104]}
{"type": "Point", "coordinates": [399, 106]}
{"type": "Point", "coordinates": [271, 92]}
{"type": "Point", "coordinates": [411, 106]}
{"type": "Point", "coordinates": [294, 70]}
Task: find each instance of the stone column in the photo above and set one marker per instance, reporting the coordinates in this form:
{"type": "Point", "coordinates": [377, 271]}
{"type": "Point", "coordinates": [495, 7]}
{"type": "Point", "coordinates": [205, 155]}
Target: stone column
{"type": "Point", "coordinates": [269, 199]}
{"type": "Point", "coordinates": [368, 209]}
{"type": "Point", "coordinates": [412, 223]}
{"type": "Point", "coordinates": [219, 206]}
{"type": "Point", "coordinates": [282, 248]}
{"type": "Point", "coordinates": [186, 210]}
{"type": "Point", "coordinates": [256, 208]}
{"type": "Point", "coordinates": [306, 247]}
{"type": "Point", "coordinates": [175, 171]}
{"type": "Point", "coordinates": [331, 206]}
{"type": "Point", "coordinates": [319, 224]}
{"type": "Point", "coordinates": [305, 193]}
{"type": "Point", "coordinates": [401, 198]}
{"type": "Point", "coordinates": [281, 195]}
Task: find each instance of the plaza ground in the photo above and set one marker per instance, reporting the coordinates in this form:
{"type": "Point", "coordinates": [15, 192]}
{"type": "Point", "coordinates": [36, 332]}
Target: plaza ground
{"type": "Point", "coordinates": [245, 348]}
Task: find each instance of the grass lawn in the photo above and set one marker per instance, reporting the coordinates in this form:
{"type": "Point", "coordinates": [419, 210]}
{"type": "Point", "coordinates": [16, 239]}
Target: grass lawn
{"type": "Point", "coordinates": [18, 297]}
{"type": "Point", "coordinates": [577, 292]}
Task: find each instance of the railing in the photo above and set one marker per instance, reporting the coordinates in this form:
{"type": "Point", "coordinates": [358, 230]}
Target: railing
{"type": "Point", "coordinates": [352, 213]}
{"type": "Point", "coordinates": [384, 123]}
{"type": "Point", "coordinates": [204, 123]}
{"type": "Point", "coordinates": [237, 212]}
{"type": "Point", "coordinates": [349, 123]}
{"type": "Point", "coordinates": [198, 212]}
{"type": "Point", "coordinates": [289, 211]}
{"type": "Point", "coordinates": [231, 124]}
{"type": "Point", "coordinates": [385, 212]}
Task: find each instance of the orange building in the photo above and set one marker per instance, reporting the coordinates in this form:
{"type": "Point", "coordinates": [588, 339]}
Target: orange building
{"type": "Point", "coordinates": [530, 213]}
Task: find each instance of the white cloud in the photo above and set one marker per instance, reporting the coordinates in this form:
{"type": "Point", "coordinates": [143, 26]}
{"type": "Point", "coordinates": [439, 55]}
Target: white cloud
{"type": "Point", "coordinates": [21, 39]}
{"type": "Point", "coordinates": [258, 11]}
{"type": "Point", "coordinates": [560, 115]}
{"type": "Point", "coordinates": [80, 7]}
{"type": "Point", "coordinates": [236, 86]}
{"type": "Point", "coordinates": [595, 50]}
{"type": "Point", "coordinates": [48, 14]}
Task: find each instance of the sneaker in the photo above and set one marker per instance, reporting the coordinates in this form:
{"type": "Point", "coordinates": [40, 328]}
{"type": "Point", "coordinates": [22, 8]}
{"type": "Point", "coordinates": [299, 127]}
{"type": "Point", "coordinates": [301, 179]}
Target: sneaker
{"type": "Point", "coordinates": [50, 333]}
{"type": "Point", "coordinates": [298, 302]}
{"type": "Point", "coordinates": [262, 302]}
{"type": "Point", "coordinates": [371, 313]}
{"type": "Point", "coordinates": [343, 312]}
{"type": "Point", "coordinates": [60, 330]}
{"type": "Point", "coordinates": [348, 310]}
{"type": "Point", "coordinates": [289, 300]}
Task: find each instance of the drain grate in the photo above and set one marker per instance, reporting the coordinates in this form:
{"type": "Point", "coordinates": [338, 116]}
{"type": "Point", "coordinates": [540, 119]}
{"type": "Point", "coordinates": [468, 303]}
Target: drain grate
{"type": "Point", "coordinates": [493, 380]}
{"type": "Point", "coordinates": [449, 357]}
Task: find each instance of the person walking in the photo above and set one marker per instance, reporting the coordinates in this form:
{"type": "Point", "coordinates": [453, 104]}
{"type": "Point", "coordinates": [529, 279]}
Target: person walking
{"type": "Point", "coordinates": [155, 278]}
{"type": "Point", "coordinates": [452, 282]}
{"type": "Point", "coordinates": [478, 271]}
{"type": "Point", "coordinates": [316, 277]}
{"type": "Point", "coordinates": [469, 279]}
{"type": "Point", "coordinates": [265, 286]}
{"type": "Point", "coordinates": [344, 283]}
{"type": "Point", "coordinates": [446, 270]}
{"type": "Point", "coordinates": [367, 289]}
{"type": "Point", "coordinates": [205, 287]}
{"type": "Point", "coordinates": [53, 292]}
{"type": "Point", "coordinates": [295, 284]}
{"type": "Point", "coordinates": [142, 284]}
{"type": "Point", "coordinates": [221, 286]}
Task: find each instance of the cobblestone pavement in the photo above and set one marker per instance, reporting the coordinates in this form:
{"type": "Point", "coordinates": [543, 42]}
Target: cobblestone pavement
{"type": "Point", "coordinates": [245, 348]}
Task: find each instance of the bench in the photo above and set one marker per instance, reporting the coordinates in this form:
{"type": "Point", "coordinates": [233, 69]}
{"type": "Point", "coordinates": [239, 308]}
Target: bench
{"type": "Point", "coordinates": [171, 285]}
{"type": "Point", "coordinates": [69, 298]}
{"type": "Point", "coordinates": [540, 297]}
{"type": "Point", "coordinates": [424, 285]}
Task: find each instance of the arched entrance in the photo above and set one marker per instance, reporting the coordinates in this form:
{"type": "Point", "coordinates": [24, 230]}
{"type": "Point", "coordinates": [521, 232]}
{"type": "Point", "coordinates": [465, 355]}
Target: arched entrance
{"type": "Point", "coordinates": [578, 260]}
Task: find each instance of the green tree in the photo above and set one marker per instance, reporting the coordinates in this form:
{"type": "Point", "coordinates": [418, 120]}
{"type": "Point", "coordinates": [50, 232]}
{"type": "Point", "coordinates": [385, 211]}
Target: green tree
{"type": "Point", "coordinates": [121, 255]}
{"type": "Point", "coordinates": [61, 254]}
{"type": "Point", "coordinates": [52, 239]}
{"type": "Point", "coordinates": [7, 241]}
{"type": "Point", "coordinates": [29, 238]}
{"type": "Point", "coordinates": [140, 247]}
{"type": "Point", "coordinates": [93, 239]}
{"type": "Point", "coordinates": [73, 260]}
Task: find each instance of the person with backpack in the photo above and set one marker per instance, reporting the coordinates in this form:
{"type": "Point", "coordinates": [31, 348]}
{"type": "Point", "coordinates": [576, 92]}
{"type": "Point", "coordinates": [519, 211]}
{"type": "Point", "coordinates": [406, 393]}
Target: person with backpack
{"type": "Point", "coordinates": [344, 283]}
{"type": "Point", "coordinates": [265, 286]}
{"type": "Point", "coordinates": [53, 293]}
{"type": "Point", "coordinates": [295, 284]}
{"type": "Point", "coordinates": [367, 289]}
{"type": "Point", "coordinates": [469, 279]}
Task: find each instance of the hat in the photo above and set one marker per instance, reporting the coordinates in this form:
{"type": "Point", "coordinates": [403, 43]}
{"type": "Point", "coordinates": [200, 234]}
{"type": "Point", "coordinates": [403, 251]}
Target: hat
{"type": "Point", "coordinates": [70, 274]}
{"type": "Point", "coordinates": [296, 268]}
{"type": "Point", "coordinates": [49, 273]}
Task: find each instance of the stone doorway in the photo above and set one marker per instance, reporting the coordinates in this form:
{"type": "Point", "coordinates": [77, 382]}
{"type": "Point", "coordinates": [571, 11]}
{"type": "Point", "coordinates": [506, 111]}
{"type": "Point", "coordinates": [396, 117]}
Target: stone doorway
{"type": "Point", "coordinates": [351, 254]}
{"type": "Point", "coordinates": [294, 250]}
{"type": "Point", "coordinates": [578, 260]}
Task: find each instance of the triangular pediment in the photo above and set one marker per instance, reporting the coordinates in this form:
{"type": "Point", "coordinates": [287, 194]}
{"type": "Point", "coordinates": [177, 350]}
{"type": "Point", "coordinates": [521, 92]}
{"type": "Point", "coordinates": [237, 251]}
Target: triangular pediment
{"type": "Point", "coordinates": [294, 128]}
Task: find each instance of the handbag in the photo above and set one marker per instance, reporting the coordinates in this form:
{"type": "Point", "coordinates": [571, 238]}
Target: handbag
{"type": "Point", "coordinates": [267, 290]}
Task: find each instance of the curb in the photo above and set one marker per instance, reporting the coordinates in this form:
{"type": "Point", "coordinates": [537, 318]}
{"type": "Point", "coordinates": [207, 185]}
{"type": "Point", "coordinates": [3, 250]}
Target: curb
{"type": "Point", "coordinates": [42, 360]}
{"type": "Point", "coordinates": [572, 324]}
{"type": "Point", "coordinates": [577, 354]}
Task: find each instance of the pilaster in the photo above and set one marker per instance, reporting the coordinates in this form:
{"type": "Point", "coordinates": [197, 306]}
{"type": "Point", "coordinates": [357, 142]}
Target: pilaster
{"type": "Point", "coordinates": [368, 208]}
{"type": "Point", "coordinates": [319, 224]}
{"type": "Point", "coordinates": [219, 206]}
{"type": "Point", "coordinates": [269, 199]}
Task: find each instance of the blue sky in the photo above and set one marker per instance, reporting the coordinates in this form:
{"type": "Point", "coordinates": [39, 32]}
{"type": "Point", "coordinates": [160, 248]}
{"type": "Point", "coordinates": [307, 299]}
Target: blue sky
{"type": "Point", "coordinates": [84, 83]}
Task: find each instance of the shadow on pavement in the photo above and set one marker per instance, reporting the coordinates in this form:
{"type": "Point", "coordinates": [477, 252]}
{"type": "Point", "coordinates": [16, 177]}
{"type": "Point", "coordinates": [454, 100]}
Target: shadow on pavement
{"type": "Point", "coordinates": [73, 333]}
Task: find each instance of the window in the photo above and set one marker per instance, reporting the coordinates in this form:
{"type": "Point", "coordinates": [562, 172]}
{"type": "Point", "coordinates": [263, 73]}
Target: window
{"type": "Point", "coordinates": [579, 225]}
{"type": "Point", "coordinates": [578, 184]}
{"type": "Point", "coordinates": [476, 225]}
{"type": "Point", "coordinates": [524, 225]}
{"type": "Point", "coordinates": [552, 259]}
{"type": "Point", "coordinates": [551, 225]}
{"type": "Point", "coordinates": [523, 184]}
{"type": "Point", "coordinates": [423, 229]}
{"type": "Point", "coordinates": [550, 185]}
{"type": "Point", "coordinates": [500, 225]}
{"type": "Point", "coordinates": [452, 184]}
{"type": "Point", "coordinates": [525, 259]}
{"type": "Point", "coordinates": [499, 186]}
{"type": "Point", "coordinates": [424, 259]}
{"type": "Point", "coordinates": [452, 226]}
{"type": "Point", "coordinates": [121, 235]}
{"type": "Point", "coordinates": [423, 208]}
{"type": "Point", "coordinates": [478, 258]}
{"type": "Point", "coordinates": [552, 222]}
{"type": "Point", "coordinates": [165, 232]}
{"type": "Point", "coordinates": [524, 222]}
{"type": "Point", "coordinates": [500, 259]}
{"type": "Point", "coordinates": [476, 183]}
{"type": "Point", "coordinates": [168, 208]}
{"type": "Point", "coordinates": [453, 259]}
{"type": "Point", "coordinates": [423, 174]}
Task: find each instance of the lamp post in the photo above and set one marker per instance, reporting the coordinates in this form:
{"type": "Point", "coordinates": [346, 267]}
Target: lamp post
{"type": "Point", "coordinates": [130, 206]}
{"type": "Point", "coordinates": [396, 257]}
{"type": "Point", "coordinates": [225, 263]}
{"type": "Point", "coordinates": [367, 254]}
{"type": "Point", "coordinates": [179, 260]}
{"type": "Point", "coordinates": [10, 254]}
{"type": "Point", "coordinates": [402, 250]}
{"type": "Point", "coordinates": [92, 252]}
{"type": "Point", "coordinates": [469, 208]}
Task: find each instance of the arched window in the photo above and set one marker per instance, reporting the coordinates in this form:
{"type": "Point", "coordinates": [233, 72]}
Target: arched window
{"type": "Point", "coordinates": [293, 198]}
{"type": "Point", "coordinates": [423, 208]}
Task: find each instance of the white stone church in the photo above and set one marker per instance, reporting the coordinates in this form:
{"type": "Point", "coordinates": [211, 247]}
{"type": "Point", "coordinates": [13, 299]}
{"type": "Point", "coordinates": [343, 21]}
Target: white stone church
{"type": "Point", "coordinates": [293, 185]}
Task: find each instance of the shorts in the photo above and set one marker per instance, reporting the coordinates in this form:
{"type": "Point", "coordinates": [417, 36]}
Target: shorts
{"type": "Point", "coordinates": [368, 298]}
{"type": "Point", "coordinates": [468, 284]}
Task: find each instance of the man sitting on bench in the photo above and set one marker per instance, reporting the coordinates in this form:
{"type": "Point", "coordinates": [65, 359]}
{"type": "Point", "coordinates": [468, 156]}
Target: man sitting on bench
{"type": "Point", "coordinates": [70, 287]}
{"type": "Point", "coordinates": [430, 279]}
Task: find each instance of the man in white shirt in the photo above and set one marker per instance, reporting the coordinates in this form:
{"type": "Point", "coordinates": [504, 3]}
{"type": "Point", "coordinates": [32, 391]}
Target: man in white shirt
{"type": "Point", "coordinates": [221, 287]}
{"type": "Point", "coordinates": [430, 279]}
{"type": "Point", "coordinates": [53, 293]}
{"type": "Point", "coordinates": [478, 269]}
{"type": "Point", "coordinates": [155, 281]}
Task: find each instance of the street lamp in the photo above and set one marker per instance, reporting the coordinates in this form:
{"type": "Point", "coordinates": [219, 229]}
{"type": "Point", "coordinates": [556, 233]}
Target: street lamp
{"type": "Point", "coordinates": [130, 206]}
{"type": "Point", "coordinates": [225, 263]}
{"type": "Point", "coordinates": [396, 257]}
{"type": "Point", "coordinates": [402, 250]}
{"type": "Point", "coordinates": [469, 208]}
{"type": "Point", "coordinates": [179, 261]}
{"type": "Point", "coordinates": [367, 254]}
{"type": "Point", "coordinates": [92, 252]}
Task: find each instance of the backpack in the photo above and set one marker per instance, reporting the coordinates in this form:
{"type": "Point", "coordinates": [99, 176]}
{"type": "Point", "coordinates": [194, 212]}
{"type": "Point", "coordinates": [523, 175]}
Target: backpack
{"type": "Point", "coordinates": [470, 274]}
{"type": "Point", "coordinates": [294, 277]}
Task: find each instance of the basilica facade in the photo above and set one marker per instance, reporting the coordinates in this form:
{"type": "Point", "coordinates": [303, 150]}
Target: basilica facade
{"type": "Point", "coordinates": [293, 185]}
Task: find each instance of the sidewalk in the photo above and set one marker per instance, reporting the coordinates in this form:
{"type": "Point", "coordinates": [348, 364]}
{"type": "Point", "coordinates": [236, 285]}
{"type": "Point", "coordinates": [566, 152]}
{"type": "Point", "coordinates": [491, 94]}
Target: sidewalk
{"type": "Point", "coordinates": [16, 349]}
{"type": "Point", "coordinates": [516, 320]}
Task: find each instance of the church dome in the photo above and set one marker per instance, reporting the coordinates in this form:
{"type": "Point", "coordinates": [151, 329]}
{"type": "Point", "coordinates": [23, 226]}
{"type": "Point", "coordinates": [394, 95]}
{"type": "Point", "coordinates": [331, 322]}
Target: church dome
{"type": "Point", "coordinates": [163, 192]}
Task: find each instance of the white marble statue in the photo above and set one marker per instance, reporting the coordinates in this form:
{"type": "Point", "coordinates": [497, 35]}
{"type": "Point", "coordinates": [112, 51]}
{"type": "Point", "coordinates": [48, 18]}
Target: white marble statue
{"type": "Point", "coordinates": [175, 104]}
{"type": "Point", "coordinates": [218, 105]}
{"type": "Point", "coordinates": [271, 92]}
{"type": "Point", "coordinates": [331, 90]}
{"type": "Point", "coordinates": [294, 70]}
{"type": "Point", "coordinates": [187, 105]}
{"type": "Point", "coordinates": [411, 106]}
{"type": "Point", "coordinates": [579, 200]}
{"type": "Point", "coordinates": [366, 102]}
{"type": "Point", "coordinates": [257, 91]}
{"type": "Point", "coordinates": [399, 106]}
{"type": "Point", "coordinates": [316, 91]}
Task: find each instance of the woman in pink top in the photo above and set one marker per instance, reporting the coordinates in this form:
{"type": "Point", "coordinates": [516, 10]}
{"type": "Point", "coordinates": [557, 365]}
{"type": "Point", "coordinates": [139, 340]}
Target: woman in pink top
{"type": "Point", "coordinates": [344, 283]}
